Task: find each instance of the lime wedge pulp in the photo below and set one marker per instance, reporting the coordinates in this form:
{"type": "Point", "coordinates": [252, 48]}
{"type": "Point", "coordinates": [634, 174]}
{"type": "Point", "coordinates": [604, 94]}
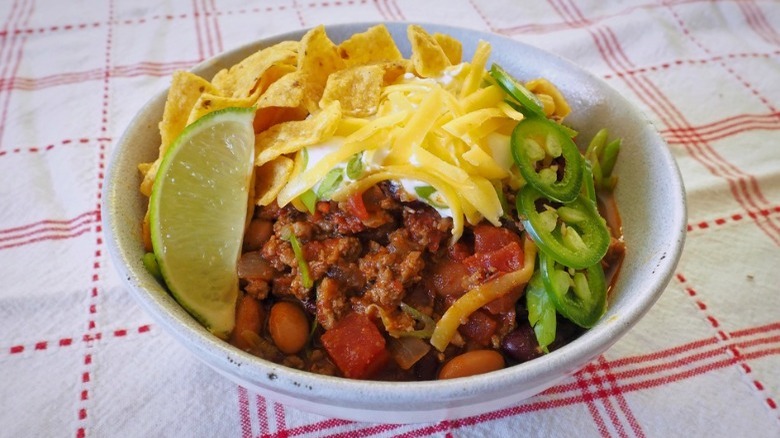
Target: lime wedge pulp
{"type": "Point", "coordinates": [197, 213]}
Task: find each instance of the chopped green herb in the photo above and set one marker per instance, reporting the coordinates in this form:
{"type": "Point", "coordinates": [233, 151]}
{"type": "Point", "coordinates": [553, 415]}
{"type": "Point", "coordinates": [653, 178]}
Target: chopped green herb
{"type": "Point", "coordinates": [426, 193]}
{"type": "Point", "coordinates": [309, 199]}
{"type": "Point", "coordinates": [355, 166]}
{"type": "Point", "coordinates": [303, 266]}
{"type": "Point", "coordinates": [330, 183]}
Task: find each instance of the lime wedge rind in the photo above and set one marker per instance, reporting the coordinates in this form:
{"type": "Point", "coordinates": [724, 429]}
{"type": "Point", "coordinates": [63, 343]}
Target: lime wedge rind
{"type": "Point", "coordinates": [198, 208]}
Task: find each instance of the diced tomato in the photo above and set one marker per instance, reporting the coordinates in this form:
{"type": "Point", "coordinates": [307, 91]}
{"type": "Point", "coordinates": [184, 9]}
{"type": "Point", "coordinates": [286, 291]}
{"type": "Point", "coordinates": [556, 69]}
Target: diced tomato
{"type": "Point", "coordinates": [356, 346]}
{"type": "Point", "coordinates": [505, 303]}
{"type": "Point", "coordinates": [508, 258]}
{"type": "Point", "coordinates": [488, 238]}
{"type": "Point", "coordinates": [480, 327]}
{"type": "Point", "coordinates": [357, 206]}
{"type": "Point", "coordinates": [249, 317]}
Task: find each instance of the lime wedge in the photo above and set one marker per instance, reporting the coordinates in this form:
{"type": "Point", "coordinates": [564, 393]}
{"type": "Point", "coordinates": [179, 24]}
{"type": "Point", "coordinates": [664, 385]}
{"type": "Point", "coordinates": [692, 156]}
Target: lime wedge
{"type": "Point", "coordinates": [197, 213]}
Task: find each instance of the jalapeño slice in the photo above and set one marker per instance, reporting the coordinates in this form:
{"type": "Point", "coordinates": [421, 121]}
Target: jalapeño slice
{"type": "Point", "coordinates": [580, 296]}
{"type": "Point", "coordinates": [574, 234]}
{"type": "Point", "coordinates": [542, 152]}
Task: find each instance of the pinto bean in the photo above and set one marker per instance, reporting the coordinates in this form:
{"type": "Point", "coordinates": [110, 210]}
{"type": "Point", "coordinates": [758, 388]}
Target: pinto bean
{"type": "Point", "coordinates": [289, 327]}
{"type": "Point", "coordinates": [249, 318]}
{"type": "Point", "coordinates": [257, 233]}
{"type": "Point", "coordinates": [472, 363]}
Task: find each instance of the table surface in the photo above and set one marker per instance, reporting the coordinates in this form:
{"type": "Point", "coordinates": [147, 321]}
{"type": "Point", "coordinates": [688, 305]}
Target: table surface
{"type": "Point", "coordinates": [79, 358]}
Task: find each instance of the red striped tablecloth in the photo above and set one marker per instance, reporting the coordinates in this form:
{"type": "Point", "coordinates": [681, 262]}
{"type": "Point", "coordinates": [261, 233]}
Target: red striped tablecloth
{"type": "Point", "coordinates": [79, 358]}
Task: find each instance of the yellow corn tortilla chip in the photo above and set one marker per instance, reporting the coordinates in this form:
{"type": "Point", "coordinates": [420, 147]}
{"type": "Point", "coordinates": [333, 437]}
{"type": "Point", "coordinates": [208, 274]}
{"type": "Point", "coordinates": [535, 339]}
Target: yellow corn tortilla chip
{"type": "Point", "coordinates": [241, 80]}
{"type": "Point", "coordinates": [451, 47]}
{"type": "Point", "coordinates": [394, 69]}
{"type": "Point", "coordinates": [272, 115]}
{"type": "Point", "coordinates": [541, 87]}
{"type": "Point", "coordinates": [286, 92]}
{"type": "Point", "coordinates": [186, 88]}
{"type": "Point", "coordinates": [270, 178]}
{"type": "Point", "coordinates": [208, 103]}
{"type": "Point", "coordinates": [428, 58]}
{"type": "Point", "coordinates": [372, 46]}
{"type": "Point", "coordinates": [358, 89]}
{"type": "Point", "coordinates": [289, 137]}
{"type": "Point", "coordinates": [318, 57]}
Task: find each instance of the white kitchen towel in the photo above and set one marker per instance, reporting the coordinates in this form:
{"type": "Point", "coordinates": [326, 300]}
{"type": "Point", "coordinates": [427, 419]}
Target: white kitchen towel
{"type": "Point", "coordinates": [79, 358]}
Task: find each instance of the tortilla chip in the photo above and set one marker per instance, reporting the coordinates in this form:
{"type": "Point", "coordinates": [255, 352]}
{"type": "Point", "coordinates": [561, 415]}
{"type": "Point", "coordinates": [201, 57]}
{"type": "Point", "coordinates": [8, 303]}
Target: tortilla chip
{"type": "Point", "coordinates": [372, 46]}
{"type": "Point", "coordinates": [318, 57]}
{"type": "Point", "coordinates": [270, 178]}
{"type": "Point", "coordinates": [272, 115]}
{"type": "Point", "coordinates": [286, 92]}
{"type": "Point", "coordinates": [358, 90]}
{"type": "Point", "coordinates": [289, 137]}
{"type": "Point", "coordinates": [542, 87]}
{"type": "Point", "coordinates": [394, 70]}
{"type": "Point", "coordinates": [208, 103]}
{"type": "Point", "coordinates": [451, 47]}
{"type": "Point", "coordinates": [186, 88]}
{"type": "Point", "coordinates": [241, 80]}
{"type": "Point", "coordinates": [428, 57]}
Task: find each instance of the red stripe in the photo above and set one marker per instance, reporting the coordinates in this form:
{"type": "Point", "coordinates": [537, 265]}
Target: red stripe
{"type": "Point", "coordinates": [589, 397]}
{"type": "Point", "coordinates": [55, 229]}
{"type": "Point", "coordinates": [483, 16]}
{"type": "Point", "coordinates": [12, 17]}
{"type": "Point", "coordinates": [397, 10]}
{"type": "Point", "coordinates": [721, 129]}
{"type": "Point", "coordinates": [205, 21]}
{"type": "Point", "coordinates": [279, 416]}
{"type": "Point", "coordinates": [15, 60]}
{"type": "Point", "coordinates": [622, 404]}
{"type": "Point", "coordinates": [371, 430]}
{"type": "Point", "coordinates": [693, 61]}
{"type": "Point", "coordinates": [46, 222]}
{"type": "Point", "coordinates": [262, 414]}
{"type": "Point", "coordinates": [755, 330]}
{"type": "Point", "coordinates": [381, 10]}
{"type": "Point", "coordinates": [755, 18]}
{"type": "Point", "coordinates": [217, 32]}
{"type": "Point", "coordinates": [127, 71]}
{"type": "Point", "coordinates": [243, 412]}
{"type": "Point", "coordinates": [199, 37]}
{"type": "Point", "coordinates": [298, 14]}
{"type": "Point", "coordinates": [538, 28]}
{"type": "Point", "coordinates": [759, 341]}
{"type": "Point", "coordinates": [45, 238]}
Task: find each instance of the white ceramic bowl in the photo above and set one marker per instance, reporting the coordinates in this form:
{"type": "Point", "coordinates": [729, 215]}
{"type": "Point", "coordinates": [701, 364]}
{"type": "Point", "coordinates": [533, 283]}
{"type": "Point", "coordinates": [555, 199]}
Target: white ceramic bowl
{"type": "Point", "coordinates": [650, 197]}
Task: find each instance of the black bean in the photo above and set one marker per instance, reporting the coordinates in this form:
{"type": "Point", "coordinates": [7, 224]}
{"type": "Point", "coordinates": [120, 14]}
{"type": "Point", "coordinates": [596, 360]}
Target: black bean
{"type": "Point", "coordinates": [426, 367]}
{"type": "Point", "coordinates": [520, 344]}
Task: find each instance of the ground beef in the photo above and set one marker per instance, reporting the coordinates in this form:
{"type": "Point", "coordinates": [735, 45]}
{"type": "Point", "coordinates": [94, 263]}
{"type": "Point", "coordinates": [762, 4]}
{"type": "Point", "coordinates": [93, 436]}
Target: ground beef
{"type": "Point", "coordinates": [426, 227]}
{"type": "Point", "coordinates": [332, 302]}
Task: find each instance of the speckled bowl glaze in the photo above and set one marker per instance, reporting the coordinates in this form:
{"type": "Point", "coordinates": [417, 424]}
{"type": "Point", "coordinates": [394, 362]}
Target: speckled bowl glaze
{"type": "Point", "coordinates": [650, 197]}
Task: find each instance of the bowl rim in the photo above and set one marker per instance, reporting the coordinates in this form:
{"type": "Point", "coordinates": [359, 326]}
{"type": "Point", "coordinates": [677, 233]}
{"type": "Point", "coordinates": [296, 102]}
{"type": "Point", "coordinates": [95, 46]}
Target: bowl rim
{"type": "Point", "coordinates": [218, 354]}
